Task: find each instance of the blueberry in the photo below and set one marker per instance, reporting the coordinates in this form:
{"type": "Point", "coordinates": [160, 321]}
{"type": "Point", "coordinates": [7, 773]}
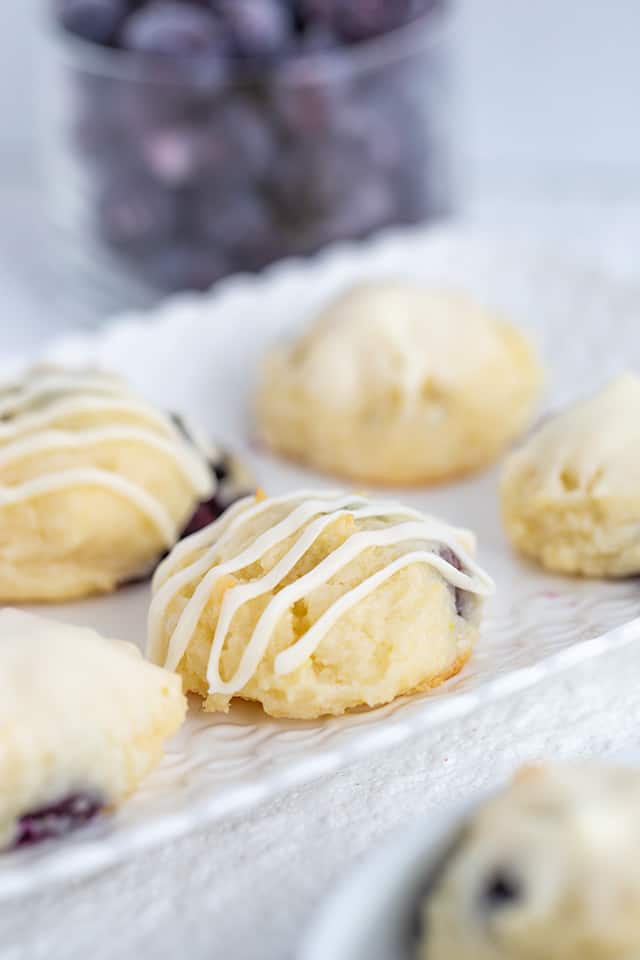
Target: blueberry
{"type": "Point", "coordinates": [356, 20]}
{"type": "Point", "coordinates": [133, 213]}
{"type": "Point", "coordinates": [502, 888]}
{"type": "Point", "coordinates": [57, 819]}
{"type": "Point", "coordinates": [178, 155]}
{"type": "Point", "coordinates": [319, 38]}
{"type": "Point", "coordinates": [359, 20]}
{"type": "Point", "coordinates": [209, 511]}
{"type": "Point", "coordinates": [317, 11]}
{"type": "Point", "coordinates": [184, 264]}
{"type": "Point", "coordinates": [249, 138]}
{"type": "Point", "coordinates": [371, 130]}
{"type": "Point", "coordinates": [259, 29]}
{"type": "Point", "coordinates": [459, 595]}
{"type": "Point", "coordinates": [205, 514]}
{"type": "Point", "coordinates": [230, 144]}
{"type": "Point", "coordinates": [450, 557]}
{"type": "Point", "coordinates": [170, 155]}
{"type": "Point", "coordinates": [366, 206]}
{"type": "Point", "coordinates": [95, 20]}
{"type": "Point", "coordinates": [304, 104]}
{"type": "Point", "coordinates": [312, 180]}
{"type": "Point", "coordinates": [175, 29]}
{"type": "Point", "coordinates": [239, 222]}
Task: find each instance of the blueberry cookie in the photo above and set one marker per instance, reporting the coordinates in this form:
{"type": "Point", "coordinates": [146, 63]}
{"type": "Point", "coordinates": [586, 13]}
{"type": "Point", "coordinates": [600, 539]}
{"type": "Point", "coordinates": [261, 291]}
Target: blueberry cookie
{"type": "Point", "coordinates": [315, 603]}
{"type": "Point", "coordinates": [549, 868]}
{"type": "Point", "coordinates": [399, 384]}
{"type": "Point", "coordinates": [570, 494]}
{"type": "Point", "coordinates": [95, 484]}
{"type": "Point", "coordinates": [82, 720]}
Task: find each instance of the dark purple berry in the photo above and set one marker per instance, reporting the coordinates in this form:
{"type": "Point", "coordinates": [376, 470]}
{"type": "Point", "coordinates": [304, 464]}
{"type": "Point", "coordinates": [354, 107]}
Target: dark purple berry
{"type": "Point", "coordinates": [239, 222]}
{"type": "Point", "coordinates": [174, 29]}
{"type": "Point", "coordinates": [134, 213]}
{"type": "Point", "coordinates": [313, 181]}
{"type": "Point", "coordinates": [178, 155]}
{"type": "Point", "coordinates": [184, 264]}
{"type": "Point", "coordinates": [367, 206]}
{"type": "Point", "coordinates": [58, 819]}
{"type": "Point", "coordinates": [372, 131]}
{"type": "Point", "coordinates": [453, 559]}
{"type": "Point", "coordinates": [170, 155]}
{"type": "Point", "coordinates": [94, 20]}
{"type": "Point", "coordinates": [206, 514]}
{"type": "Point", "coordinates": [249, 135]}
{"type": "Point", "coordinates": [319, 38]}
{"type": "Point", "coordinates": [450, 557]}
{"type": "Point", "coordinates": [359, 20]}
{"type": "Point", "coordinates": [501, 889]}
{"type": "Point", "coordinates": [209, 512]}
{"type": "Point", "coordinates": [317, 11]}
{"type": "Point", "coordinates": [304, 104]}
{"type": "Point", "coordinates": [259, 29]}
{"type": "Point", "coordinates": [356, 20]}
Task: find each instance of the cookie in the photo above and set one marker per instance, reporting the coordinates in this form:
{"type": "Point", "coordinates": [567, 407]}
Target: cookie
{"type": "Point", "coordinates": [95, 484]}
{"type": "Point", "coordinates": [315, 603]}
{"type": "Point", "coordinates": [399, 384]}
{"type": "Point", "coordinates": [571, 494]}
{"type": "Point", "coordinates": [548, 868]}
{"type": "Point", "coordinates": [82, 720]}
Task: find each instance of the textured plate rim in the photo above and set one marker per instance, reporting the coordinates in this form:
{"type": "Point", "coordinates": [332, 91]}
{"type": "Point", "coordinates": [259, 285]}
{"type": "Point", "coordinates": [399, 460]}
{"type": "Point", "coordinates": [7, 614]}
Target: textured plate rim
{"type": "Point", "coordinates": [74, 863]}
{"type": "Point", "coordinates": [80, 860]}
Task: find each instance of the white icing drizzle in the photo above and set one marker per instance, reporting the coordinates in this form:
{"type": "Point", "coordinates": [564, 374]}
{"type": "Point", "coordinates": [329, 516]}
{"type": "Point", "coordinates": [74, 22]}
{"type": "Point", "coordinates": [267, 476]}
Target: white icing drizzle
{"type": "Point", "coordinates": [311, 513]}
{"type": "Point", "coordinates": [18, 396]}
{"type": "Point", "coordinates": [33, 407]}
{"type": "Point", "coordinates": [29, 421]}
{"type": "Point", "coordinates": [194, 469]}
{"type": "Point", "coordinates": [215, 533]}
{"type": "Point", "coordinates": [92, 477]}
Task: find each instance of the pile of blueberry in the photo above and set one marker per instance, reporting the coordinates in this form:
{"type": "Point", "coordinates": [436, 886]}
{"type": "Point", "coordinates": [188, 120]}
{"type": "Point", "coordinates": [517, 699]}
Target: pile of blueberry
{"type": "Point", "coordinates": [219, 135]}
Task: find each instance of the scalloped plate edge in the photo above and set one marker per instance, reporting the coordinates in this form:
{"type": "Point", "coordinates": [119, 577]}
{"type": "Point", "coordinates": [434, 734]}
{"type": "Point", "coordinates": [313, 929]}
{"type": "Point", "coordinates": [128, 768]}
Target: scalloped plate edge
{"type": "Point", "coordinates": [78, 862]}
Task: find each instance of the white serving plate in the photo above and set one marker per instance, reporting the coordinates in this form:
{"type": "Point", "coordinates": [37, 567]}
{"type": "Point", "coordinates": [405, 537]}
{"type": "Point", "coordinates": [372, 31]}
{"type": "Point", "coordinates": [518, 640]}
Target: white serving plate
{"type": "Point", "coordinates": [198, 354]}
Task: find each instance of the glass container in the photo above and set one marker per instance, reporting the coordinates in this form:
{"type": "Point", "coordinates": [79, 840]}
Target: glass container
{"type": "Point", "coordinates": [171, 175]}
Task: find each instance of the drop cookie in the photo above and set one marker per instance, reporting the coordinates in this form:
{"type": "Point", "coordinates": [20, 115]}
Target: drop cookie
{"type": "Point", "coordinates": [399, 384]}
{"type": "Point", "coordinates": [95, 484]}
{"type": "Point", "coordinates": [548, 868]}
{"type": "Point", "coordinates": [571, 494]}
{"type": "Point", "coordinates": [82, 720]}
{"type": "Point", "coordinates": [315, 603]}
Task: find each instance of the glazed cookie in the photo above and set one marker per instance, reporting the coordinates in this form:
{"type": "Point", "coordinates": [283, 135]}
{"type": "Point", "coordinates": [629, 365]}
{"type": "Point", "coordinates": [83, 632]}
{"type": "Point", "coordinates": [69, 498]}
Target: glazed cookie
{"type": "Point", "coordinates": [399, 384]}
{"type": "Point", "coordinates": [82, 720]}
{"type": "Point", "coordinates": [549, 868]}
{"type": "Point", "coordinates": [315, 603]}
{"type": "Point", "coordinates": [571, 493]}
{"type": "Point", "coordinates": [95, 484]}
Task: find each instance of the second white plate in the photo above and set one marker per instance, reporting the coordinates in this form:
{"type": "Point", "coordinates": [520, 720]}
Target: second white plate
{"type": "Point", "coordinates": [373, 914]}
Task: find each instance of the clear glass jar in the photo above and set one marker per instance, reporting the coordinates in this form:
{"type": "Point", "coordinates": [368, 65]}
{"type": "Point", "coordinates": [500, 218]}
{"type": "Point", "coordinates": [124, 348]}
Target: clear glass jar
{"type": "Point", "coordinates": [173, 177]}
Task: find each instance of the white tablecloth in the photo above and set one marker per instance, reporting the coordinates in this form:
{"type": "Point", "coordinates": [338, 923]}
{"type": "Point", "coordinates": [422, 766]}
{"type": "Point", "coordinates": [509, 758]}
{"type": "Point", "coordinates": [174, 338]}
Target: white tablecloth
{"type": "Point", "coordinates": [245, 890]}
